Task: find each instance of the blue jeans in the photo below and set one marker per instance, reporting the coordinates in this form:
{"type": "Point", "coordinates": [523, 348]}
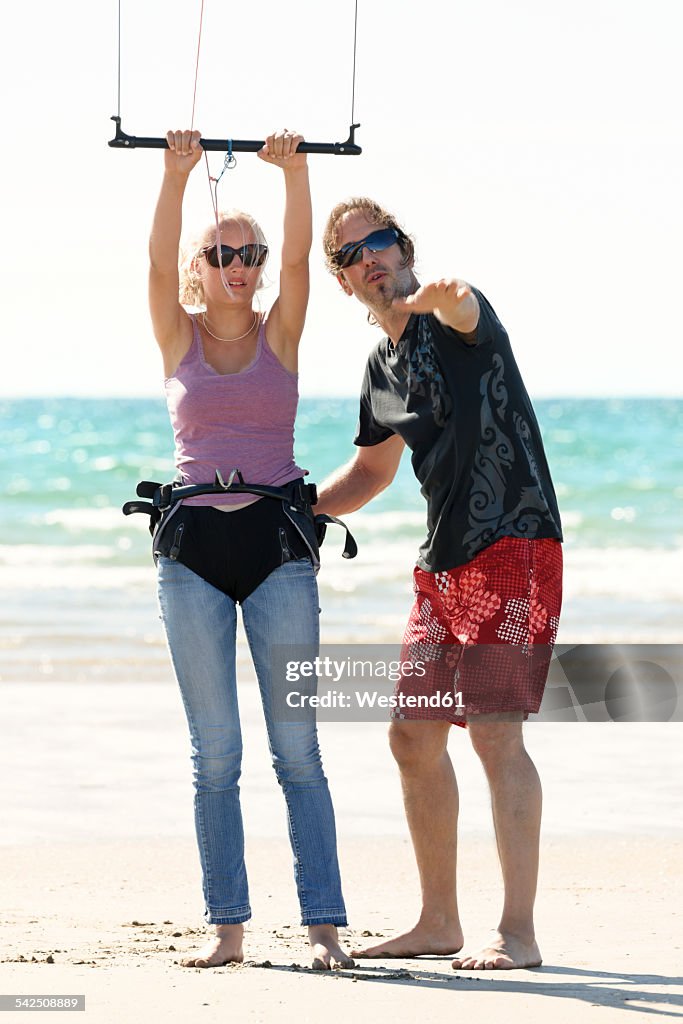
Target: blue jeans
{"type": "Point", "coordinates": [200, 623]}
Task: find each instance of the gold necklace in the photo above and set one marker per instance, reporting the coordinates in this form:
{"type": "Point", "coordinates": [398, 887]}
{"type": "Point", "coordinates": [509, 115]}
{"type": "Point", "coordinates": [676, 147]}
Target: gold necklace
{"type": "Point", "coordinates": [253, 324]}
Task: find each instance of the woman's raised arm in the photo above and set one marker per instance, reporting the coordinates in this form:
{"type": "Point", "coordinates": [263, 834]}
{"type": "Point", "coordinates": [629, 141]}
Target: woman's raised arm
{"type": "Point", "coordinates": [172, 328]}
{"type": "Point", "coordinates": [288, 315]}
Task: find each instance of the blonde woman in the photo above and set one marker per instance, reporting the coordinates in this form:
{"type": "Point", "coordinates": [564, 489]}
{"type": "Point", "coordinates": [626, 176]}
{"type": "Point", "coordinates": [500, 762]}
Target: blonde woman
{"type": "Point", "coordinates": [231, 388]}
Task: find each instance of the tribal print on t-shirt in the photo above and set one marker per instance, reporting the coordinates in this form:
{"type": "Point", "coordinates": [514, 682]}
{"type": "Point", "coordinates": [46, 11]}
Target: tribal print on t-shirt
{"type": "Point", "coordinates": [477, 451]}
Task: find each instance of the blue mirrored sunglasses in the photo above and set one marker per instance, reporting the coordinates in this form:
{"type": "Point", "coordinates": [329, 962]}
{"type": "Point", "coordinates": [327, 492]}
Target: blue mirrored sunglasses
{"type": "Point", "coordinates": [376, 241]}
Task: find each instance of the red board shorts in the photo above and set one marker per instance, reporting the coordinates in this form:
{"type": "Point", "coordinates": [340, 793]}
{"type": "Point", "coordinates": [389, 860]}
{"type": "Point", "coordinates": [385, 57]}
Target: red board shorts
{"type": "Point", "coordinates": [479, 638]}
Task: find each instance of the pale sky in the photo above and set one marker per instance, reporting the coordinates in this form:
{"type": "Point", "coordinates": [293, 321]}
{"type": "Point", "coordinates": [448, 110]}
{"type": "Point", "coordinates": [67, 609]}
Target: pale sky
{"type": "Point", "coordinates": [532, 148]}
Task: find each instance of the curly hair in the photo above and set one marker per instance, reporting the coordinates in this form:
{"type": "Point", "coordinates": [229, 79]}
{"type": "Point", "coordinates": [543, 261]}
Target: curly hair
{"type": "Point", "coordinates": [375, 214]}
{"type": "Point", "coordinates": [191, 292]}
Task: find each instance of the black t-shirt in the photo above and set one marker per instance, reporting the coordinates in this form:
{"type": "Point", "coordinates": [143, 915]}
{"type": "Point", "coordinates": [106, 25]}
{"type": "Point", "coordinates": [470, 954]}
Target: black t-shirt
{"type": "Point", "coordinates": [461, 407]}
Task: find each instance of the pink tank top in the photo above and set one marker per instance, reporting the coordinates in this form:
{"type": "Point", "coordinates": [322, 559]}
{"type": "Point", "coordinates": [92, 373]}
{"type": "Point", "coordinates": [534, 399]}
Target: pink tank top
{"type": "Point", "coordinates": [232, 421]}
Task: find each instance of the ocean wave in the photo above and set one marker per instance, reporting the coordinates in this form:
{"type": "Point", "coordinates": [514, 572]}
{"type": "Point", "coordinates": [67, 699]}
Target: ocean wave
{"type": "Point", "coordinates": [391, 521]}
{"type": "Point", "coordinates": [383, 567]}
{"type": "Point", "coordinates": [572, 519]}
{"type": "Point", "coordinates": [55, 576]}
{"type": "Point", "coordinates": [632, 574]}
{"type": "Point", "coordinates": [86, 520]}
{"type": "Point", "coordinates": [28, 556]}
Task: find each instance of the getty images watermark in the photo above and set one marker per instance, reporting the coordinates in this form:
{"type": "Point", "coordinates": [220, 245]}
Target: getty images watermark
{"type": "Point", "coordinates": [585, 682]}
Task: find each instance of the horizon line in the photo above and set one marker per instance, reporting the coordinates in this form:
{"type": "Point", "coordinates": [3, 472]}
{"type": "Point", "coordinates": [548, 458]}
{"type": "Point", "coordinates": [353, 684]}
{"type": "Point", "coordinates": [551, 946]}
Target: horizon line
{"type": "Point", "coordinates": [348, 396]}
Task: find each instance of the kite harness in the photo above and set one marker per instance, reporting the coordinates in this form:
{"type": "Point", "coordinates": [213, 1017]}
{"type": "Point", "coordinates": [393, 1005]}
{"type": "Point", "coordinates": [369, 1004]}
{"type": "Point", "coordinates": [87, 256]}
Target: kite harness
{"type": "Point", "coordinates": [237, 550]}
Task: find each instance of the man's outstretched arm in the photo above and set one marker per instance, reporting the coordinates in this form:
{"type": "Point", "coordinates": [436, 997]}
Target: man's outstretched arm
{"type": "Point", "coordinates": [355, 484]}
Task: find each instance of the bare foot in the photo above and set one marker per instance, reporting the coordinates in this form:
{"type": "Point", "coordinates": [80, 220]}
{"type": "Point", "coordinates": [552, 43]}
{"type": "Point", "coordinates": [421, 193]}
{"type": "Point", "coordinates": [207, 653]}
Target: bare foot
{"type": "Point", "coordinates": [441, 940]}
{"type": "Point", "coordinates": [224, 948]}
{"type": "Point", "coordinates": [327, 953]}
{"type": "Point", "coordinates": [506, 952]}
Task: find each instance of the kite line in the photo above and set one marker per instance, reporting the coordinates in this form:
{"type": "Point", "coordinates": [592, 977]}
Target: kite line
{"type": "Point", "coordinates": [122, 140]}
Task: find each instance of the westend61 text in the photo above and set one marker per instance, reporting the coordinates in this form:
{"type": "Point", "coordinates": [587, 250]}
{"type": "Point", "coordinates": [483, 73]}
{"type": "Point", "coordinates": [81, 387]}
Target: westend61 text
{"type": "Point", "coordinates": [372, 699]}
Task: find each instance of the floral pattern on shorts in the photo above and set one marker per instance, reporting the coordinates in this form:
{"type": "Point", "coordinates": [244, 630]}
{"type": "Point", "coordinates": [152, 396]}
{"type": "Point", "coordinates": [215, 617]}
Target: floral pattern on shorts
{"type": "Point", "coordinates": [485, 630]}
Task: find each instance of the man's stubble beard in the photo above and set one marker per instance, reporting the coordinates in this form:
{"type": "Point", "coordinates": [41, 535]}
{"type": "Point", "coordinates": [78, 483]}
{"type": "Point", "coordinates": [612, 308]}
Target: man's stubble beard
{"type": "Point", "coordinates": [389, 289]}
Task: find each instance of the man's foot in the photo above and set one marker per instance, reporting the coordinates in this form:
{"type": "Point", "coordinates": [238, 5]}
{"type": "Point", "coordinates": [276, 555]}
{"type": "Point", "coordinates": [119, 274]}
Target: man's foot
{"type": "Point", "coordinates": [224, 948]}
{"type": "Point", "coordinates": [327, 953]}
{"type": "Point", "coordinates": [506, 952]}
{"type": "Point", "coordinates": [422, 940]}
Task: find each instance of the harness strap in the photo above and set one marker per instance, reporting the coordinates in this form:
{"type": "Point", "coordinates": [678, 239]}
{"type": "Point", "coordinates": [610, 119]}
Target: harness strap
{"type": "Point", "coordinates": [147, 488]}
{"type": "Point", "coordinates": [166, 495]}
{"type": "Point", "coordinates": [300, 497]}
{"type": "Point", "coordinates": [321, 522]}
{"type": "Point", "coordinates": [138, 506]}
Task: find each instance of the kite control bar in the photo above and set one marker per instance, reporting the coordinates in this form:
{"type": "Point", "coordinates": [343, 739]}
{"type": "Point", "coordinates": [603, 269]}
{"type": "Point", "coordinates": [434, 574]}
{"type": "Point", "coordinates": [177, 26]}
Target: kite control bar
{"type": "Point", "coordinates": [123, 141]}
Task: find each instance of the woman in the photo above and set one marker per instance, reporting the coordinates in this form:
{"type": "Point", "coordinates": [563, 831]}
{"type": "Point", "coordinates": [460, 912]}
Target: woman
{"type": "Point", "coordinates": [231, 388]}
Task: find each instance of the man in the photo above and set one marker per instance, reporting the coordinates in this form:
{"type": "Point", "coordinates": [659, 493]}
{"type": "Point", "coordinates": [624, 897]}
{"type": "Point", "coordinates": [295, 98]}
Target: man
{"type": "Point", "coordinates": [489, 576]}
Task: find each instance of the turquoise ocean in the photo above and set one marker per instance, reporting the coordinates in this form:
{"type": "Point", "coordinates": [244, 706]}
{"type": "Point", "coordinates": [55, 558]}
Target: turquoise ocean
{"type": "Point", "coordinates": [77, 587]}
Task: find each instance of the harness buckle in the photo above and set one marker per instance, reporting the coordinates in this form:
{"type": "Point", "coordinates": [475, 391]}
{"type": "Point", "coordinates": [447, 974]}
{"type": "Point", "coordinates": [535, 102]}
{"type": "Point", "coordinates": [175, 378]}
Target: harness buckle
{"type": "Point", "coordinates": [163, 497]}
{"type": "Point", "coordinates": [220, 482]}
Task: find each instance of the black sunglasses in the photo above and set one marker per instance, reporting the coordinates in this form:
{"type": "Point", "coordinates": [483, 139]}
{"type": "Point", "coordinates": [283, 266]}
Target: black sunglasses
{"type": "Point", "coordinates": [352, 252]}
{"type": "Point", "coordinates": [252, 255]}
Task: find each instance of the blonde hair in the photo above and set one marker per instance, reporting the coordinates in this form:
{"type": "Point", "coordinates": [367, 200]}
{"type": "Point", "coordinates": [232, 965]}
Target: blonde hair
{"type": "Point", "coordinates": [191, 291]}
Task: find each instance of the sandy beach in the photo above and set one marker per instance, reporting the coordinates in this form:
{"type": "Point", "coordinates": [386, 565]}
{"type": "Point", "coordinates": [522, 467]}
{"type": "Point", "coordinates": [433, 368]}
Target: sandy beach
{"type": "Point", "coordinates": [116, 917]}
{"type": "Point", "coordinates": [100, 880]}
